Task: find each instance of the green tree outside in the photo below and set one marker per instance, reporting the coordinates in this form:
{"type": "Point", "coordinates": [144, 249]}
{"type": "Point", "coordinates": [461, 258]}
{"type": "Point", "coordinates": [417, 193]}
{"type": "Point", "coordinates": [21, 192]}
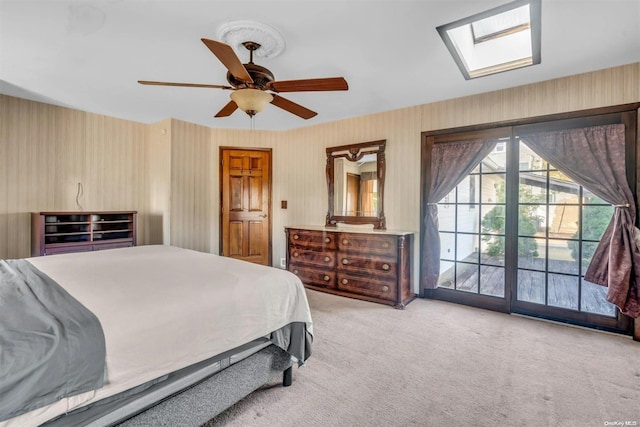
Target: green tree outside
{"type": "Point", "coordinates": [494, 222]}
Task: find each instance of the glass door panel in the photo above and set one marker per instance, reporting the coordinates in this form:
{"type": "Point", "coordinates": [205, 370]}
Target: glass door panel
{"type": "Point", "coordinates": [472, 230]}
{"type": "Point", "coordinates": [559, 226]}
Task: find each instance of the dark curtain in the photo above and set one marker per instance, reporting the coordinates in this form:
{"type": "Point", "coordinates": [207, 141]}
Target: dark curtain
{"type": "Point", "coordinates": [450, 164]}
{"type": "Point", "coordinates": [594, 157]}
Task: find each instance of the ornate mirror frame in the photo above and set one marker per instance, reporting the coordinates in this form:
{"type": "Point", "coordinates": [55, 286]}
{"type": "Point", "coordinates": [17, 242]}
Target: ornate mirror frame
{"type": "Point", "coordinates": [355, 152]}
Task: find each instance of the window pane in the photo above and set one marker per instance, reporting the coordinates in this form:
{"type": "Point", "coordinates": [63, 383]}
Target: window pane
{"type": "Point", "coordinates": [492, 250]}
{"type": "Point", "coordinates": [496, 161]}
{"type": "Point", "coordinates": [447, 245]}
{"type": "Point", "coordinates": [588, 249]}
{"type": "Point", "coordinates": [467, 249]}
{"type": "Point", "coordinates": [467, 277]}
{"type": "Point", "coordinates": [449, 199]}
{"type": "Point", "coordinates": [493, 219]}
{"type": "Point", "coordinates": [594, 299]}
{"type": "Point", "coordinates": [590, 198]}
{"type": "Point", "coordinates": [563, 291]}
{"type": "Point", "coordinates": [447, 275]}
{"type": "Point", "coordinates": [561, 258]}
{"type": "Point", "coordinates": [531, 253]}
{"type": "Point", "coordinates": [529, 160]}
{"type": "Point", "coordinates": [468, 219]}
{"type": "Point", "coordinates": [447, 217]}
{"type": "Point", "coordinates": [564, 221]}
{"type": "Point", "coordinates": [531, 286]}
{"type": "Point", "coordinates": [493, 188]}
{"type": "Point", "coordinates": [533, 188]}
{"type": "Point", "coordinates": [595, 220]}
{"type": "Point", "coordinates": [492, 281]}
{"type": "Point", "coordinates": [532, 220]}
{"type": "Point", "coordinates": [468, 190]}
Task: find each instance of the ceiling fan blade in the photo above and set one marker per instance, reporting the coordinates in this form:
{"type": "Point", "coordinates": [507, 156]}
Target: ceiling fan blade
{"type": "Point", "coordinates": [309, 85]}
{"type": "Point", "coordinates": [229, 59]}
{"type": "Point", "coordinates": [147, 82]}
{"type": "Point", "coordinates": [227, 110]}
{"type": "Point", "coordinates": [292, 107]}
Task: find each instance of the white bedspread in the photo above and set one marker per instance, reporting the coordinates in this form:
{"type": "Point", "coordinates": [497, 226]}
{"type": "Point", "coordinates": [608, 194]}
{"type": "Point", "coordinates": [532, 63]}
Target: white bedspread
{"type": "Point", "coordinates": [163, 308]}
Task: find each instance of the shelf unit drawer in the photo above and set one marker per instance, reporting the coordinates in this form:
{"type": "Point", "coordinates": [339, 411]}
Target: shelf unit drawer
{"type": "Point", "coordinates": [113, 245]}
{"type": "Point", "coordinates": [67, 249]}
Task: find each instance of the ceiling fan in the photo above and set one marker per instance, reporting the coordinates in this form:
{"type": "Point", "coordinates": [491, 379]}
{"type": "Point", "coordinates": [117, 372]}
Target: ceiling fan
{"type": "Point", "coordinates": [254, 86]}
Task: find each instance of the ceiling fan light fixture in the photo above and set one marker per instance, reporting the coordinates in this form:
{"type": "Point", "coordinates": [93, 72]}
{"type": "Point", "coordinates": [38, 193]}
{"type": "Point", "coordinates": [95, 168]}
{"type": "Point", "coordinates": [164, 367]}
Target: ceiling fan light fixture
{"type": "Point", "coordinates": [251, 101]}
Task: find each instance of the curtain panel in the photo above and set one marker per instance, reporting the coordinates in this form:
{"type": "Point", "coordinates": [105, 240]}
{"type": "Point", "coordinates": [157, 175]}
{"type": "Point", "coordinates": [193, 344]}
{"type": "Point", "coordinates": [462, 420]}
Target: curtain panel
{"type": "Point", "coordinates": [451, 162]}
{"type": "Point", "coordinates": [594, 157]}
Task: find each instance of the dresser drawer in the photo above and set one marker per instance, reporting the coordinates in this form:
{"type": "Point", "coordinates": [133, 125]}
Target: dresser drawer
{"type": "Point", "coordinates": [306, 256]}
{"type": "Point", "coordinates": [312, 239]}
{"type": "Point", "coordinates": [367, 243]}
{"type": "Point", "coordinates": [367, 286]}
{"type": "Point", "coordinates": [66, 249]}
{"type": "Point", "coordinates": [313, 276]}
{"type": "Point", "coordinates": [371, 266]}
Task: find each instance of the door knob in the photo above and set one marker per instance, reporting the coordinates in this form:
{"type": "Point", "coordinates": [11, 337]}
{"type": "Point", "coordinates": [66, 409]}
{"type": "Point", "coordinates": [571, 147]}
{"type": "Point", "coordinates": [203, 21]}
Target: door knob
{"type": "Point", "coordinates": [263, 216]}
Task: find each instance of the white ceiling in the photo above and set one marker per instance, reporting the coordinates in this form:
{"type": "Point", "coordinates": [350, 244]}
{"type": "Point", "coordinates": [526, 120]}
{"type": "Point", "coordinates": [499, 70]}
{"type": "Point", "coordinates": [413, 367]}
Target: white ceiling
{"type": "Point", "coordinates": [88, 55]}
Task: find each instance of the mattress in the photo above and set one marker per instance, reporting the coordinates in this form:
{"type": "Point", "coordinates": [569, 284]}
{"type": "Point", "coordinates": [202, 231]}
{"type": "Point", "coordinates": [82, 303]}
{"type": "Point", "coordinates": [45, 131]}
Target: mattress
{"type": "Point", "coordinates": [164, 308]}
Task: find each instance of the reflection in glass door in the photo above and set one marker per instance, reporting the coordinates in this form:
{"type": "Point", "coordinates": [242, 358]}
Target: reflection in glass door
{"type": "Point", "coordinates": [559, 226]}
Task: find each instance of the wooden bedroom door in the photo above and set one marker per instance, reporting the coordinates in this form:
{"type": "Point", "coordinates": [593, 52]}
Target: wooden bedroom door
{"type": "Point", "coordinates": [246, 204]}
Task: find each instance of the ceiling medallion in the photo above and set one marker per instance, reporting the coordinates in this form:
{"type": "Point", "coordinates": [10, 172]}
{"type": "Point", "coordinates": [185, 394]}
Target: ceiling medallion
{"type": "Point", "coordinates": [235, 33]}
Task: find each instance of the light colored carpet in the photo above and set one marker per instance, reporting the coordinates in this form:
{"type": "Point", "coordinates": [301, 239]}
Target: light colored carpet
{"type": "Point", "coordinates": [437, 364]}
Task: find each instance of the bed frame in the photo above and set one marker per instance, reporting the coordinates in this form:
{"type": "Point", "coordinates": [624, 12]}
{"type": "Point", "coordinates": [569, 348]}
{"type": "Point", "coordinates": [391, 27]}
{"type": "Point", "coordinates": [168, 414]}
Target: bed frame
{"type": "Point", "coordinates": [191, 396]}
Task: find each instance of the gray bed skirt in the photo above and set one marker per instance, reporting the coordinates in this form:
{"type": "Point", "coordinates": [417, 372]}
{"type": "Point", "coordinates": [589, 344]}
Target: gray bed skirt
{"type": "Point", "coordinates": [189, 397]}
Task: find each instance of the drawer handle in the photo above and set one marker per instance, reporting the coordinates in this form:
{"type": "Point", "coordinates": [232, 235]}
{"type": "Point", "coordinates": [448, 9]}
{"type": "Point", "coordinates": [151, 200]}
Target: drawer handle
{"type": "Point", "coordinates": [385, 288]}
{"type": "Point", "coordinates": [385, 245]}
{"type": "Point", "coordinates": [327, 259]}
{"type": "Point", "coordinates": [345, 261]}
{"type": "Point", "coordinates": [345, 281]}
{"type": "Point", "coordinates": [326, 278]}
{"type": "Point", "coordinates": [295, 254]}
{"type": "Point", "coordinates": [386, 267]}
{"type": "Point", "coordinates": [345, 242]}
{"type": "Point", "coordinates": [296, 237]}
{"type": "Point", "coordinates": [327, 240]}
{"type": "Point", "coordinates": [295, 271]}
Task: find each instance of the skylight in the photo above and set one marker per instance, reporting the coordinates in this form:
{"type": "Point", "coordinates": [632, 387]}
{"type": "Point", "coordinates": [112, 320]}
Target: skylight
{"type": "Point", "coordinates": [498, 40]}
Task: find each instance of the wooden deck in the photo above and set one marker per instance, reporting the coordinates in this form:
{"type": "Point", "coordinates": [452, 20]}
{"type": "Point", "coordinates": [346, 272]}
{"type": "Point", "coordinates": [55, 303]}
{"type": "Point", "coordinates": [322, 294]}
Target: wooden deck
{"type": "Point", "coordinates": [562, 289]}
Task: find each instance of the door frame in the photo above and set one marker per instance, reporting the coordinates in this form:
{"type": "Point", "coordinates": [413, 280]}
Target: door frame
{"type": "Point", "coordinates": [270, 201]}
{"type": "Point", "coordinates": [591, 117]}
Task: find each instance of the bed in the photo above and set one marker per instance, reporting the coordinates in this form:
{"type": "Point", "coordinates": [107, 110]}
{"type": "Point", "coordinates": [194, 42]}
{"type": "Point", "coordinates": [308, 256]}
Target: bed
{"type": "Point", "coordinates": [172, 319]}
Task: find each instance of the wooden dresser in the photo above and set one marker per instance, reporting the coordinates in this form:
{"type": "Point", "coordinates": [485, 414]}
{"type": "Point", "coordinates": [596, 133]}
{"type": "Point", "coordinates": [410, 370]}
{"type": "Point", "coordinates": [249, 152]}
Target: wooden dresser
{"type": "Point", "coordinates": [372, 265]}
{"type": "Point", "coordinates": [66, 232]}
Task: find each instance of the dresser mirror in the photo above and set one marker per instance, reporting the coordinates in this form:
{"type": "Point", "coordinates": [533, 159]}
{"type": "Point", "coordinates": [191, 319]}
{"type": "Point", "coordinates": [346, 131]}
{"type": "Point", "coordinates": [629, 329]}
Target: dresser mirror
{"type": "Point", "coordinates": [355, 181]}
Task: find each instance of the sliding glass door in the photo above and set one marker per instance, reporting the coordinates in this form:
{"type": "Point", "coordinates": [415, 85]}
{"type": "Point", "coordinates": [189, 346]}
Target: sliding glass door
{"type": "Point", "coordinates": [517, 234]}
{"type": "Point", "coordinates": [560, 223]}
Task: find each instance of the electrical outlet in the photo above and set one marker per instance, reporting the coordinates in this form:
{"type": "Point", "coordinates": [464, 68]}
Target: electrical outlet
{"type": "Point", "coordinates": [283, 263]}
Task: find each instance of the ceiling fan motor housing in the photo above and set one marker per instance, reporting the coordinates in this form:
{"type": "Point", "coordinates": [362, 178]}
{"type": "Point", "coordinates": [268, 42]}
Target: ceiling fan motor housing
{"type": "Point", "coordinates": [261, 77]}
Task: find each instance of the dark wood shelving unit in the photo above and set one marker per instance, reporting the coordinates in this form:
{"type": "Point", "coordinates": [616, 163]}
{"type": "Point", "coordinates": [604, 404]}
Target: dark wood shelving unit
{"type": "Point", "coordinates": [66, 232]}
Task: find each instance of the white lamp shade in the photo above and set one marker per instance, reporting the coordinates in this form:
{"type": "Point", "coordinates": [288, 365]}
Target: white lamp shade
{"type": "Point", "coordinates": [251, 101]}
